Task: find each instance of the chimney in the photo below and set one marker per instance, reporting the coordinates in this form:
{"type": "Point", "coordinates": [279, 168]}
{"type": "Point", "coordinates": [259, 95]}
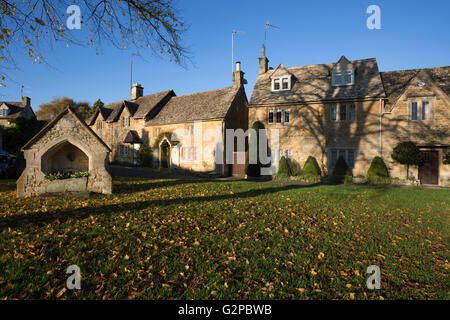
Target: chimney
{"type": "Point", "coordinates": [238, 76]}
{"type": "Point", "coordinates": [136, 91]}
{"type": "Point", "coordinates": [263, 61]}
{"type": "Point", "coordinates": [26, 101]}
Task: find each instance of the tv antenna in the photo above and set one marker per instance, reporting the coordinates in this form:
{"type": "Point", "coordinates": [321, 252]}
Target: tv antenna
{"type": "Point", "coordinates": [267, 25]}
{"type": "Point", "coordinates": [232, 48]}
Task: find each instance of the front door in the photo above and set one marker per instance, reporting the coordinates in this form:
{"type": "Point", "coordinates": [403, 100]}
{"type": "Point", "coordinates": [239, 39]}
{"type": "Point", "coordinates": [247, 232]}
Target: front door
{"type": "Point", "coordinates": [429, 168]}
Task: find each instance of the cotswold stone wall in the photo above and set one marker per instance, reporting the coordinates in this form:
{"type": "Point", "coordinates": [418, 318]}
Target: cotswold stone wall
{"type": "Point", "coordinates": [66, 131]}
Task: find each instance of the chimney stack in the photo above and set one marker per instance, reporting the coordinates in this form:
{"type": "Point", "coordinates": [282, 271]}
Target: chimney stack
{"type": "Point", "coordinates": [26, 101]}
{"type": "Point", "coordinates": [136, 91]}
{"type": "Point", "coordinates": [263, 61]}
{"type": "Point", "coordinates": [238, 76]}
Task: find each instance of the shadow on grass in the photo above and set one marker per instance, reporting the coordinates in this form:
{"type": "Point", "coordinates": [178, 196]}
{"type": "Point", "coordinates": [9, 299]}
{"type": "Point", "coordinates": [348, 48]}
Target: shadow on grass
{"type": "Point", "coordinates": [123, 187]}
{"type": "Point", "coordinates": [81, 213]}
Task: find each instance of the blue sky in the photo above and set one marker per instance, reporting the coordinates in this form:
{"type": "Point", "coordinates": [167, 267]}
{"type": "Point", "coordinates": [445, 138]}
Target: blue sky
{"type": "Point", "coordinates": [414, 34]}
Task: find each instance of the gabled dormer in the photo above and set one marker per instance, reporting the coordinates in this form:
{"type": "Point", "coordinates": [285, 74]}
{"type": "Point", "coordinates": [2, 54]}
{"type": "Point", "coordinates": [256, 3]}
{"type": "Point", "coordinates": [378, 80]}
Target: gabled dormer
{"type": "Point", "coordinates": [343, 73]}
{"type": "Point", "coordinates": [281, 79]}
{"type": "Point", "coordinates": [4, 110]}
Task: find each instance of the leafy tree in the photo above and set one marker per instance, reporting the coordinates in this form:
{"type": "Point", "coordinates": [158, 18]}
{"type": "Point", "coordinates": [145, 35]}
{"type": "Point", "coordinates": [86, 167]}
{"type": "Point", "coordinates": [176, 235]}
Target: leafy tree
{"type": "Point", "coordinates": [283, 168]}
{"type": "Point", "coordinates": [18, 134]}
{"type": "Point", "coordinates": [311, 168]}
{"type": "Point", "coordinates": [32, 26]}
{"type": "Point", "coordinates": [407, 153]}
{"type": "Point", "coordinates": [50, 110]}
{"type": "Point", "coordinates": [97, 104]}
{"type": "Point", "coordinates": [254, 169]}
{"type": "Point", "coordinates": [377, 169]}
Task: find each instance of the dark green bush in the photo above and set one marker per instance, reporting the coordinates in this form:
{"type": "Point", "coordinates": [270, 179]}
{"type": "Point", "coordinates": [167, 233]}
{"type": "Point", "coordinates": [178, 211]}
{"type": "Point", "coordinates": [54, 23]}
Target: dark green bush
{"type": "Point", "coordinates": [377, 169]}
{"type": "Point", "coordinates": [341, 168]}
{"type": "Point", "coordinates": [283, 168]}
{"type": "Point", "coordinates": [295, 168]}
{"type": "Point", "coordinates": [311, 168]}
{"type": "Point", "coordinates": [145, 156]}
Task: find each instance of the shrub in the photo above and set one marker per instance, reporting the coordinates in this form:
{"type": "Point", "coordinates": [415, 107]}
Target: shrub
{"type": "Point", "coordinates": [283, 168]}
{"type": "Point", "coordinates": [311, 168]}
{"type": "Point", "coordinates": [294, 166]}
{"type": "Point", "coordinates": [145, 156]}
{"type": "Point", "coordinates": [341, 172]}
{"type": "Point", "coordinates": [377, 170]}
{"type": "Point", "coordinates": [407, 153]}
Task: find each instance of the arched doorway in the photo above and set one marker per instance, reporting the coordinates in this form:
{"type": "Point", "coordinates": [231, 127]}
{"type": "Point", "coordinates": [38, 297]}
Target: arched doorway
{"type": "Point", "coordinates": [164, 159]}
{"type": "Point", "coordinates": [64, 158]}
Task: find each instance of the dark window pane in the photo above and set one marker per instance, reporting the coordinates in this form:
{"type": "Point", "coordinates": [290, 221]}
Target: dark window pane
{"type": "Point", "coordinates": [278, 116]}
{"type": "Point", "coordinates": [270, 116]}
{"type": "Point", "coordinates": [414, 111]}
{"type": "Point", "coordinates": [343, 112]}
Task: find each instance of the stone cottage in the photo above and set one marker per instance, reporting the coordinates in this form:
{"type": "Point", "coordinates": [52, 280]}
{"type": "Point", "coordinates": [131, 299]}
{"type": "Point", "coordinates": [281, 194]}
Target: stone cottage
{"type": "Point", "coordinates": [15, 109]}
{"type": "Point", "coordinates": [351, 109]}
{"type": "Point", "coordinates": [67, 146]}
{"type": "Point", "coordinates": [128, 124]}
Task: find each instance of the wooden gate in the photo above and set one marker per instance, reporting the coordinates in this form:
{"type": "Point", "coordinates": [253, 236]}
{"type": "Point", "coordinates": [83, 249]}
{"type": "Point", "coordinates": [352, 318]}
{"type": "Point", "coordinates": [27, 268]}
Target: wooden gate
{"type": "Point", "coordinates": [429, 168]}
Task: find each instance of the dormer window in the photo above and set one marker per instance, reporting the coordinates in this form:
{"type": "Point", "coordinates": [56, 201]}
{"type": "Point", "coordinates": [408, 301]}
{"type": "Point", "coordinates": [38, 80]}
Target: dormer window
{"type": "Point", "coordinates": [343, 77]}
{"type": "Point", "coordinates": [281, 84]}
{"type": "Point", "coordinates": [4, 112]}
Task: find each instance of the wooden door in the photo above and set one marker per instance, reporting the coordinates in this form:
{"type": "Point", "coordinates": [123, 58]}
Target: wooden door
{"type": "Point", "coordinates": [429, 168]}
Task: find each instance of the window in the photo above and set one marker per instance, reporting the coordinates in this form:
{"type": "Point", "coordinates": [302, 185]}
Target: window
{"type": "Point", "coordinates": [100, 124]}
{"type": "Point", "coordinates": [4, 112]}
{"type": "Point", "coordinates": [125, 121]}
{"type": "Point", "coordinates": [278, 115]}
{"type": "Point", "coordinates": [276, 84]}
{"type": "Point", "coordinates": [414, 110]}
{"type": "Point", "coordinates": [342, 78]}
{"type": "Point", "coordinates": [124, 151]}
{"type": "Point", "coordinates": [348, 155]}
{"type": "Point", "coordinates": [190, 130]}
{"type": "Point", "coordinates": [189, 153]}
{"type": "Point", "coordinates": [352, 112]}
{"type": "Point", "coordinates": [281, 84]}
{"type": "Point", "coordinates": [286, 115]}
{"type": "Point", "coordinates": [270, 116]}
{"type": "Point", "coordinates": [157, 131]}
{"type": "Point", "coordinates": [333, 112]}
{"type": "Point", "coordinates": [288, 154]}
{"type": "Point", "coordinates": [351, 158]}
{"type": "Point", "coordinates": [425, 110]}
{"type": "Point", "coordinates": [343, 112]}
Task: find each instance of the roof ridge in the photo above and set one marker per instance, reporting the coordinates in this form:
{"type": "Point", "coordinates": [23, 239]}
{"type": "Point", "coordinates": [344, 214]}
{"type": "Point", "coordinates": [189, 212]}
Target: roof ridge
{"type": "Point", "coordinates": [201, 92]}
{"type": "Point", "coordinates": [415, 69]}
{"type": "Point", "coordinates": [323, 64]}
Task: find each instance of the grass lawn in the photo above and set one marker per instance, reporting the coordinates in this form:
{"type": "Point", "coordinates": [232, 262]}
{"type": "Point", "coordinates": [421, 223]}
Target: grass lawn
{"type": "Point", "coordinates": [180, 239]}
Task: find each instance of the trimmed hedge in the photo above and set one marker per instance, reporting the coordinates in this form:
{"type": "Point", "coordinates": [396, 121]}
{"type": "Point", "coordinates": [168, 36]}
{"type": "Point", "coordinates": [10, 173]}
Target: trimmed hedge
{"type": "Point", "coordinates": [377, 168]}
{"type": "Point", "coordinates": [311, 168]}
{"type": "Point", "coordinates": [283, 168]}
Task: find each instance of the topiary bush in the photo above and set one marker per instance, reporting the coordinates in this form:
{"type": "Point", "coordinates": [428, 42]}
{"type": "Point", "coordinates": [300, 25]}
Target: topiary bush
{"type": "Point", "coordinates": [295, 168]}
{"type": "Point", "coordinates": [407, 153]}
{"type": "Point", "coordinates": [311, 168]}
{"type": "Point", "coordinates": [283, 168]}
{"type": "Point", "coordinates": [341, 172]}
{"type": "Point", "coordinates": [378, 172]}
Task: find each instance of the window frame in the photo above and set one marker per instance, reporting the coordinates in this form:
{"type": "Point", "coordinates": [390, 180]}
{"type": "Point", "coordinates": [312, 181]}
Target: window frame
{"type": "Point", "coordinates": [339, 152]}
{"type": "Point", "coordinates": [333, 107]}
{"type": "Point", "coordinates": [342, 111]}
{"type": "Point", "coordinates": [279, 113]}
{"type": "Point", "coordinates": [286, 114]}
{"type": "Point", "coordinates": [429, 110]}
{"type": "Point", "coordinates": [352, 115]}
{"type": "Point", "coordinates": [269, 114]}
{"type": "Point", "coordinates": [416, 113]}
{"type": "Point", "coordinates": [342, 74]}
{"type": "Point", "coordinates": [280, 81]}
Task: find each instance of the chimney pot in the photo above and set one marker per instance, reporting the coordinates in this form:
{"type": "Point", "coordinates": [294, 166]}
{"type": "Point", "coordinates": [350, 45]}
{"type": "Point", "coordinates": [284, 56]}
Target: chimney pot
{"type": "Point", "coordinates": [238, 66]}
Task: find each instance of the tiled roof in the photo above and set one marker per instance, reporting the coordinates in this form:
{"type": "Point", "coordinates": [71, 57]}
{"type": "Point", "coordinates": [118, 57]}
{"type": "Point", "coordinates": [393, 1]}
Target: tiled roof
{"type": "Point", "coordinates": [132, 137]}
{"type": "Point", "coordinates": [396, 81]}
{"type": "Point", "coordinates": [313, 84]}
{"type": "Point", "coordinates": [139, 108]}
{"type": "Point", "coordinates": [205, 105]}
